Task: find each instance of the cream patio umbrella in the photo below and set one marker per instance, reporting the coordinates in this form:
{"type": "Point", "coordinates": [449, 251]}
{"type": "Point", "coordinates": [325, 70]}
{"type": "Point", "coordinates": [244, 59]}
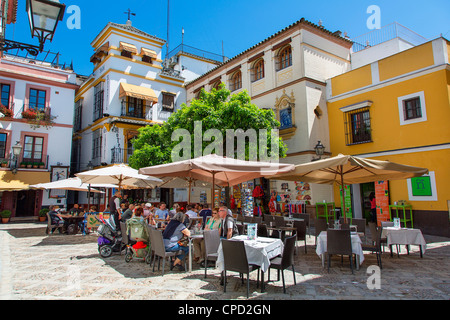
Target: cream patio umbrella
{"type": "Point", "coordinates": [119, 174]}
{"type": "Point", "coordinates": [217, 170]}
{"type": "Point", "coordinates": [74, 184]}
{"type": "Point", "coordinates": [346, 169]}
{"type": "Point", "coordinates": [183, 182]}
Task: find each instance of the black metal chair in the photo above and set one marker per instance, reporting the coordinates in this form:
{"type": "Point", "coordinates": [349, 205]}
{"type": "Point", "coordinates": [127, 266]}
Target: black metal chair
{"type": "Point", "coordinates": [262, 230]}
{"type": "Point", "coordinates": [375, 246]}
{"type": "Point", "coordinates": [360, 225]}
{"type": "Point", "coordinates": [319, 226]}
{"type": "Point", "coordinates": [339, 242]}
{"type": "Point", "coordinates": [304, 216]}
{"type": "Point", "coordinates": [235, 259]}
{"type": "Point", "coordinates": [285, 261]}
{"type": "Point", "coordinates": [156, 239]}
{"type": "Point", "coordinates": [52, 227]}
{"type": "Point", "coordinates": [212, 242]}
{"type": "Point", "coordinates": [301, 231]}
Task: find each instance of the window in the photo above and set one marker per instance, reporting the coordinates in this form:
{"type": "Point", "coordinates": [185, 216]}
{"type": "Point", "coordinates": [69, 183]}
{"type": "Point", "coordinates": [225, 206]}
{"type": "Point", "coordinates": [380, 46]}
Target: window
{"type": "Point", "coordinates": [357, 126]}
{"type": "Point", "coordinates": [3, 139]}
{"type": "Point", "coordinates": [236, 81]}
{"type": "Point", "coordinates": [147, 59]}
{"type": "Point", "coordinates": [411, 108]}
{"type": "Point", "coordinates": [98, 101]}
{"type": "Point", "coordinates": [135, 108]}
{"type": "Point", "coordinates": [33, 147]}
{"type": "Point", "coordinates": [37, 99]}
{"type": "Point", "coordinates": [96, 146]}
{"type": "Point", "coordinates": [77, 115]}
{"type": "Point", "coordinates": [284, 58]}
{"type": "Point", "coordinates": [216, 85]}
{"type": "Point", "coordinates": [5, 90]}
{"type": "Point", "coordinates": [258, 70]}
{"type": "Point", "coordinates": [126, 54]}
{"type": "Point", "coordinates": [168, 101]}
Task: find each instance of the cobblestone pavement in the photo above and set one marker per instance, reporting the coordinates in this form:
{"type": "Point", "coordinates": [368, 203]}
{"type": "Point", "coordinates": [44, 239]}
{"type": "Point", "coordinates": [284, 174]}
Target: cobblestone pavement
{"type": "Point", "coordinates": [36, 266]}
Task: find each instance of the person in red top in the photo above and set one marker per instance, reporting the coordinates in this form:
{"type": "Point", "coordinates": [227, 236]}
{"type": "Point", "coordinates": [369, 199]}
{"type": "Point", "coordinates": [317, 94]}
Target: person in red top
{"type": "Point", "coordinates": [373, 207]}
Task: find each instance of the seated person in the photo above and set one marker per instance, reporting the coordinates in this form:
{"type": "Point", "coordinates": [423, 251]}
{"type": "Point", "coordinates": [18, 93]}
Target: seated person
{"type": "Point", "coordinates": [199, 244]}
{"type": "Point", "coordinates": [162, 213]}
{"type": "Point", "coordinates": [56, 218]}
{"type": "Point", "coordinates": [75, 211]}
{"type": "Point", "coordinates": [128, 213]}
{"type": "Point", "coordinates": [173, 233]}
{"type": "Point", "coordinates": [205, 213]}
{"type": "Point", "coordinates": [190, 212]}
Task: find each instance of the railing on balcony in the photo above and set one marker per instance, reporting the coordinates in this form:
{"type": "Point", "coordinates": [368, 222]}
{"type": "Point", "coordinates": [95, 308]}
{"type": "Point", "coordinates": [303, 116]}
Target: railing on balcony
{"type": "Point", "coordinates": [12, 163]}
{"type": "Point", "coordinates": [140, 111]}
{"type": "Point", "coordinates": [117, 155]}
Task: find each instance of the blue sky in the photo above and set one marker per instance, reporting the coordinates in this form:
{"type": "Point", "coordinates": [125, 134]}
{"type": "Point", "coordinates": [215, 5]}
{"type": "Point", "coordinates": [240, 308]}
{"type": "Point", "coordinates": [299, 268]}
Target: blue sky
{"type": "Point", "coordinates": [239, 24]}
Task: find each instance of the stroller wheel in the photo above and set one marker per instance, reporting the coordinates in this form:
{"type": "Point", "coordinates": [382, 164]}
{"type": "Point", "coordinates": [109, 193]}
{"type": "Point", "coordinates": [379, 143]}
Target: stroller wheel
{"type": "Point", "coordinates": [128, 257]}
{"type": "Point", "coordinates": [105, 251]}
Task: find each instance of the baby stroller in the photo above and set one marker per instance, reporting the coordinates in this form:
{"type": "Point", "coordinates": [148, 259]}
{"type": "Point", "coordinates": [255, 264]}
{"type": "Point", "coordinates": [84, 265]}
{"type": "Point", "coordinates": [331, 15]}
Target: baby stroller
{"type": "Point", "coordinates": [109, 239]}
{"type": "Point", "coordinates": [137, 241]}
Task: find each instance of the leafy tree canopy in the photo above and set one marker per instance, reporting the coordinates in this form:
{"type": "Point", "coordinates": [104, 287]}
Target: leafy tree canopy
{"type": "Point", "coordinates": [217, 110]}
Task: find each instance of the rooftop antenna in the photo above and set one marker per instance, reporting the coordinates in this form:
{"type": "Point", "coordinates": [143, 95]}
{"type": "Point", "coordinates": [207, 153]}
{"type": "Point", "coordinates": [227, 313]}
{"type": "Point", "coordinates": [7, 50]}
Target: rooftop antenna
{"type": "Point", "coordinates": [129, 13]}
{"type": "Point", "coordinates": [167, 43]}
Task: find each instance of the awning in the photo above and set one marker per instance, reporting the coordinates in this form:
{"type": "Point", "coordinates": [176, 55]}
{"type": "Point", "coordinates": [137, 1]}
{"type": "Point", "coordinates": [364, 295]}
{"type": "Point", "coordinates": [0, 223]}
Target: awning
{"type": "Point", "coordinates": [150, 53]}
{"type": "Point", "coordinates": [130, 90]}
{"type": "Point", "coordinates": [21, 180]}
{"type": "Point", "coordinates": [127, 47]}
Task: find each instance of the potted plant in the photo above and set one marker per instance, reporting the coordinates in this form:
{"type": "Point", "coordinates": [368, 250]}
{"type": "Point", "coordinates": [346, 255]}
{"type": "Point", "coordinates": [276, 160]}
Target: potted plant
{"type": "Point", "coordinates": [35, 165]}
{"type": "Point", "coordinates": [6, 112]}
{"type": "Point", "coordinates": [29, 114]}
{"type": "Point", "coordinates": [23, 164]}
{"type": "Point", "coordinates": [41, 165]}
{"type": "Point", "coordinates": [5, 214]}
{"type": "Point", "coordinates": [4, 163]}
{"type": "Point", "coordinates": [29, 164]}
{"type": "Point", "coordinates": [43, 214]}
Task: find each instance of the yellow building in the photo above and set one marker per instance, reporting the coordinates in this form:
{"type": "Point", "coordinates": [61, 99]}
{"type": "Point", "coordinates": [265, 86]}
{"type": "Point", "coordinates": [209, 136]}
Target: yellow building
{"type": "Point", "coordinates": [398, 109]}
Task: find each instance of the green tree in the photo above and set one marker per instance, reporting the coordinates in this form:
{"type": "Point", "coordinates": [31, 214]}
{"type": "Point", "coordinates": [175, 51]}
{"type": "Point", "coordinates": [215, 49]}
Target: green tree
{"type": "Point", "coordinates": [217, 109]}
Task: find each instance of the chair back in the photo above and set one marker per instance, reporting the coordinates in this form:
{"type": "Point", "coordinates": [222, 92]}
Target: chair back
{"type": "Point", "coordinates": [212, 241]}
{"type": "Point", "coordinates": [240, 218]}
{"type": "Point", "coordinates": [339, 242]}
{"type": "Point", "coordinates": [262, 230]}
{"type": "Point", "coordinates": [320, 225]}
{"type": "Point", "coordinates": [279, 221]}
{"type": "Point", "coordinates": [385, 224]}
{"type": "Point", "coordinates": [247, 219]}
{"type": "Point", "coordinates": [257, 220]}
{"type": "Point", "coordinates": [234, 256]}
{"type": "Point", "coordinates": [240, 228]}
{"type": "Point", "coordinates": [156, 238]}
{"type": "Point", "coordinates": [304, 216]}
{"type": "Point", "coordinates": [287, 258]}
{"type": "Point", "coordinates": [301, 229]}
{"type": "Point", "coordinates": [49, 220]}
{"type": "Point", "coordinates": [125, 237]}
{"type": "Point", "coordinates": [360, 224]}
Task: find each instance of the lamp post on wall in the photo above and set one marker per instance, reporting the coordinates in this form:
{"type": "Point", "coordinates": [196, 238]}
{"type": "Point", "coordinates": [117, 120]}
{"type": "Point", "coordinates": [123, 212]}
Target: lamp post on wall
{"type": "Point", "coordinates": [16, 150]}
{"type": "Point", "coordinates": [319, 149]}
{"type": "Point", "coordinates": [43, 16]}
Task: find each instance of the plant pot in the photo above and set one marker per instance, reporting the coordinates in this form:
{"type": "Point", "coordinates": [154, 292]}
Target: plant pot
{"type": "Point", "coordinates": [29, 166]}
{"type": "Point", "coordinates": [23, 166]}
{"type": "Point", "coordinates": [35, 166]}
{"type": "Point", "coordinates": [42, 219]}
{"type": "Point", "coordinates": [5, 220]}
{"type": "Point", "coordinates": [4, 165]}
{"type": "Point", "coordinates": [42, 167]}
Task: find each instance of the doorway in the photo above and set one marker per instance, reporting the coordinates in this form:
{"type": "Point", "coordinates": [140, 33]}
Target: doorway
{"type": "Point", "coordinates": [366, 190]}
{"type": "Point", "coordinates": [26, 203]}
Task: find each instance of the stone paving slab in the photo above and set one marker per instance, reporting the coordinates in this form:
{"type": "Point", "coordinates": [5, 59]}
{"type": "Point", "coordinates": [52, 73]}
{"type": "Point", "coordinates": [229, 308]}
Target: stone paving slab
{"type": "Point", "coordinates": [34, 266]}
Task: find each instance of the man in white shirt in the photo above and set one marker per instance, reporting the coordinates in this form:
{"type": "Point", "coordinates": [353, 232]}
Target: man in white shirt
{"type": "Point", "coordinates": [191, 213]}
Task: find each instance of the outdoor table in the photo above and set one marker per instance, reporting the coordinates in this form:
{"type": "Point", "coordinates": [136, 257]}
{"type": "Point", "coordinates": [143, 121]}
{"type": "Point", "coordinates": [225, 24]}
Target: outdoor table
{"type": "Point", "coordinates": [326, 214]}
{"type": "Point", "coordinates": [73, 220]}
{"type": "Point", "coordinates": [406, 236]}
{"type": "Point", "coordinates": [259, 252]}
{"type": "Point", "coordinates": [191, 238]}
{"type": "Point", "coordinates": [356, 247]}
{"type": "Point", "coordinates": [403, 208]}
{"type": "Point", "coordinates": [282, 230]}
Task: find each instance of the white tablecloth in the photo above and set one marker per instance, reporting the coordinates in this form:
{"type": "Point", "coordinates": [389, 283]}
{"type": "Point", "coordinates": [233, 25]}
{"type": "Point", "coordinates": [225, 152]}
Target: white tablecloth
{"type": "Point", "coordinates": [321, 248]}
{"type": "Point", "coordinates": [259, 252]}
{"type": "Point", "coordinates": [406, 236]}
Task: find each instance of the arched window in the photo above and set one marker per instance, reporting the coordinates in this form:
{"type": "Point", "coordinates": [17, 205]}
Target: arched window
{"type": "Point", "coordinates": [285, 58]}
{"type": "Point", "coordinates": [236, 81]}
{"type": "Point", "coordinates": [258, 70]}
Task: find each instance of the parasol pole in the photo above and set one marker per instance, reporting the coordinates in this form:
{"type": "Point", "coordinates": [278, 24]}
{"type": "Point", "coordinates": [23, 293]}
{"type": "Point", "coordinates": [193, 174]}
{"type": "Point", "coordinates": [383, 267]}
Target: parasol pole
{"type": "Point", "coordinates": [212, 189]}
{"type": "Point", "coordinates": [189, 194]}
{"type": "Point", "coordinates": [89, 197]}
{"type": "Point", "coordinates": [343, 192]}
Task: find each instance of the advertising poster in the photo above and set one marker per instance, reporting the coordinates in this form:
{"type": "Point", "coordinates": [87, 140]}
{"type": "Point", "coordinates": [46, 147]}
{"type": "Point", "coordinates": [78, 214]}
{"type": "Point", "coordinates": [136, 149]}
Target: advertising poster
{"type": "Point", "coordinates": [382, 201]}
{"type": "Point", "coordinates": [347, 199]}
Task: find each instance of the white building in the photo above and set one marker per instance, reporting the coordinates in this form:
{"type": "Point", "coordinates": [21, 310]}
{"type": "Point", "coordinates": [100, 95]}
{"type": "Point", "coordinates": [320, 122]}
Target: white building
{"type": "Point", "coordinates": [130, 87]}
{"type": "Point", "coordinates": [37, 107]}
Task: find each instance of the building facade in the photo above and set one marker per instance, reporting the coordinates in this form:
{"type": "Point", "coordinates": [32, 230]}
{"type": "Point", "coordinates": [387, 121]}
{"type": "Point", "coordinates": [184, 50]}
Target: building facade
{"type": "Point", "coordinates": [37, 108]}
{"type": "Point", "coordinates": [397, 108]}
{"type": "Point", "coordinates": [131, 86]}
{"type": "Point", "coordinates": [287, 73]}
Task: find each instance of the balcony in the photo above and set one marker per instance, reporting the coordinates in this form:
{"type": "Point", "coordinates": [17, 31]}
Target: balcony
{"type": "Point", "coordinates": [117, 155]}
{"type": "Point", "coordinates": [139, 111]}
{"type": "Point", "coordinates": [38, 117]}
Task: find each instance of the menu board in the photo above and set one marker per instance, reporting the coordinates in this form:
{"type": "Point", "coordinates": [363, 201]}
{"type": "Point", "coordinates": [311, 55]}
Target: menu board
{"type": "Point", "coordinates": [252, 231]}
{"type": "Point", "coordinates": [382, 201]}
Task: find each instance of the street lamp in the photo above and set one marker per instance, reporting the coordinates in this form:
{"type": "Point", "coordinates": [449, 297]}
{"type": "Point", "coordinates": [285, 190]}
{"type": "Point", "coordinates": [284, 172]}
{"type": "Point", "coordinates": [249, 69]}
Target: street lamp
{"type": "Point", "coordinates": [43, 16]}
{"type": "Point", "coordinates": [16, 150]}
{"type": "Point", "coordinates": [319, 149]}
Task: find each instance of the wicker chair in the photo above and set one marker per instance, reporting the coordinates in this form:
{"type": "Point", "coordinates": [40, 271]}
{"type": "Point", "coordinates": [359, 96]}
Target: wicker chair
{"type": "Point", "coordinates": [285, 261]}
{"type": "Point", "coordinates": [339, 242]}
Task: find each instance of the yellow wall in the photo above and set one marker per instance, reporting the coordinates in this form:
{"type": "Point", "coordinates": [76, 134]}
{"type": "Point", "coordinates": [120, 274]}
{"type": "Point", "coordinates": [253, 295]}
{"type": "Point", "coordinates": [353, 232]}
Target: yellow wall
{"type": "Point", "coordinates": [387, 133]}
{"type": "Point", "coordinates": [352, 80]}
{"type": "Point", "coordinates": [406, 61]}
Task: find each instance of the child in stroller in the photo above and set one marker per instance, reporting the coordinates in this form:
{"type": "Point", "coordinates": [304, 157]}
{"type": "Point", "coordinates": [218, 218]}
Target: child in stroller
{"type": "Point", "coordinates": [109, 239]}
{"type": "Point", "coordinates": [139, 238]}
